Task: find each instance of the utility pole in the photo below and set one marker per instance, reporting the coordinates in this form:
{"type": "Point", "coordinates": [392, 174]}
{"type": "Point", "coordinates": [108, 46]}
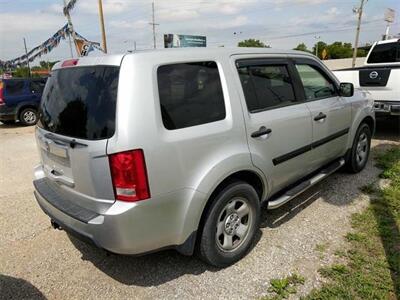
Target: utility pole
{"type": "Point", "coordinates": [134, 45]}
{"type": "Point", "coordinates": [103, 31]}
{"type": "Point", "coordinates": [27, 58]}
{"type": "Point", "coordinates": [153, 23]}
{"type": "Point", "coordinates": [359, 11]}
{"type": "Point", "coordinates": [70, 46]}
{"type": "Point", "coordinates": [71, 30]}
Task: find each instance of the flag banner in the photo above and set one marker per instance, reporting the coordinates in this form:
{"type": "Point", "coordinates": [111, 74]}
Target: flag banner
{"type": "Point", "coordinates": [70, 5]}
{"type": "Point", "coordinates": [84, 47]}
{"type": "Point", "coordinates": [48, 46]}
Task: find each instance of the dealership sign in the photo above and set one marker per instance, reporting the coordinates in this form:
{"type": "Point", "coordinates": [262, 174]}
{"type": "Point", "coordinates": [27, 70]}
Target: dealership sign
{"type": "Point", "coordinates": [183, 40]}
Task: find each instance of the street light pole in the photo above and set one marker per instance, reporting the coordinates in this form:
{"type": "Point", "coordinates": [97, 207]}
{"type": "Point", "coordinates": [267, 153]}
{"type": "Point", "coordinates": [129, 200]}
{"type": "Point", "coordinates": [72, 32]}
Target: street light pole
{"type": "Point", "coordinates": [316, 45]}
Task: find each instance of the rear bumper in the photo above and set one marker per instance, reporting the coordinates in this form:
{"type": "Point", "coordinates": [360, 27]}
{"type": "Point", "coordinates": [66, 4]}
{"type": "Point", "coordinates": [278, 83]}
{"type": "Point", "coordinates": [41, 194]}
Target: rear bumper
{"type": "Point", "coordinates": [7, 113]}
{"type": "Point", "coordinates": [126, 228]}
{"type": "Point", "coordinates": [387, 107]}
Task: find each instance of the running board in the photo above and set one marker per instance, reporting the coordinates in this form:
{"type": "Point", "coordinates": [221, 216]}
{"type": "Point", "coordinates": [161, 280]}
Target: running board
{"type": "Point", "coordinates": [304, 185]}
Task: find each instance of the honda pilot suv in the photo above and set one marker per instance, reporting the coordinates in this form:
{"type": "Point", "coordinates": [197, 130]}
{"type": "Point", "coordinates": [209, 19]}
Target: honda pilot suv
{"type": "Point", "coordinates": [179, 148]}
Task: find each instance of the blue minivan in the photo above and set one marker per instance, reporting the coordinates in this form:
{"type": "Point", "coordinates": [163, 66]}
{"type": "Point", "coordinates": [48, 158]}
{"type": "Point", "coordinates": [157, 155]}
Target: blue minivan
{"type": "Point", "coordinates": [19, 100]}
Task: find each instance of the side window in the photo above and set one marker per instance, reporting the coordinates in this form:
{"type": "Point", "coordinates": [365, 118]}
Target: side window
{"type": "Point", "coordinates": [266, 86]}
{"type": "Point", "coordinates": [316, 85]}
{"type": "Point", "coordinates": [190, 94]}
{"type": "Point", "coordinates": [14, 88]}
{"type": "Point", "coordinates": [385, 53]}
{"type": "Point", "coordinates": [37, 86]}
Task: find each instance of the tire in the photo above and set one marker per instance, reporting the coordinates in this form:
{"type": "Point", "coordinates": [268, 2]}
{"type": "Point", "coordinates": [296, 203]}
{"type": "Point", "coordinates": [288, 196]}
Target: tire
{"type": "Point", "coordinates": [229, 228]}
{"type": "Point", "coordinates": [359, 153]}
{"type": "Point", "coordinates": [28, 116]}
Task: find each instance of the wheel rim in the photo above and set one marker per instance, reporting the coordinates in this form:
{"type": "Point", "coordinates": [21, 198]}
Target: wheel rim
{"type": "Point", "coordinates": [234, 224]}
{"type": "Point", "coordinates": [29, 117]}
{"type": "Point", "coordinates": [362, 149]}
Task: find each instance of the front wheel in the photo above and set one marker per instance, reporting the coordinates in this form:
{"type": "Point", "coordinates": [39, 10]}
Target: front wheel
{"type": "Point", "coordinates": [230, 225]}
{"type": "Point", "coordinates": [359, 153]}
{"type": "Point", "coordinates": [28, 116]}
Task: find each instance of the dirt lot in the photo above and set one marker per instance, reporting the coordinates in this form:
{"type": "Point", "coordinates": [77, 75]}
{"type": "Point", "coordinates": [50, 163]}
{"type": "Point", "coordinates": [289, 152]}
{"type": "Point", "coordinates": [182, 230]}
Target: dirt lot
{"type": "Point", "coordinates": [39, 262]}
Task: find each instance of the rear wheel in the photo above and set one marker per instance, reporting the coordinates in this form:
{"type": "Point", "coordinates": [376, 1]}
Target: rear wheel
{"type": "Point", "coordinates": [230, 225]}
{"type": "Point", "coordinates": [359, 153]}
{"type": "Point", "coordinates": [28, 116]}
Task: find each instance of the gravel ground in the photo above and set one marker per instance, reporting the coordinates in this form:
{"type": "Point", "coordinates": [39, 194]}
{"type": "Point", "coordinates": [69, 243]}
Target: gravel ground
{"type": "Point", "coordinates": [39, 262]}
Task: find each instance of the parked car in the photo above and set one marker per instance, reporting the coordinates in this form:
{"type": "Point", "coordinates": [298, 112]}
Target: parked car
{"type": "Point", "coordinates": [19, 100]}
{"type": "Point", "coordinates": [178, 148]}
{"type": "Point", "coordinates": [380, 76]}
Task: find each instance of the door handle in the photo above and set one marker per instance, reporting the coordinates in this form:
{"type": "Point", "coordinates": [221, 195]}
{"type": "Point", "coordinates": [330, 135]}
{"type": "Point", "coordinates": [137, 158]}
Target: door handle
{"type": "Point", "coordinates": [320, 116]}
{"type": "Point", "coordinates": [260, 132]}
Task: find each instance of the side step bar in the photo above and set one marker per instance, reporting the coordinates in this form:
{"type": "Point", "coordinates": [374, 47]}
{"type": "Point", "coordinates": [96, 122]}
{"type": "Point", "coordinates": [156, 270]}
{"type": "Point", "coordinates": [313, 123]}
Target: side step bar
{"type": "Point", "coordinates": [304, 185]}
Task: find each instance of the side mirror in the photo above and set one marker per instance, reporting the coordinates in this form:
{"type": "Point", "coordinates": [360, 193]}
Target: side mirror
{"type": "Point", "coordinates": [346, 89]}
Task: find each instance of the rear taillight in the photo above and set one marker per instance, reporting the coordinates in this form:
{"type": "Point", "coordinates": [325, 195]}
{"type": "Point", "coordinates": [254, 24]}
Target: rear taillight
{"type": "Point", "coordinates": [69, 63]}
{"type": "Point", "coordinates": [1, 93]}
{"type": "Point", "coordinates": [129, 175]}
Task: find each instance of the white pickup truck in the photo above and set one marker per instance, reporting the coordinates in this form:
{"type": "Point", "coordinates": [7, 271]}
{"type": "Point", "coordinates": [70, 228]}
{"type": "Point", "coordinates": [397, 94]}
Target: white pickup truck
{"type": "Point", "coordinates": [380, 76]}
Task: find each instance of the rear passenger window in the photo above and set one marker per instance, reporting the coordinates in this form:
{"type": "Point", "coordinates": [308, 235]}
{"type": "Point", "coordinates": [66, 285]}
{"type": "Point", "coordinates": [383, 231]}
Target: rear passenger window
{"type": "Point", "coordinates": [190, 94]}
{"type": "Point", "coordinates": [316, 85]}
{"type": "Point", "coordinates": [15, 88]}
{"type": "Point", "coordinates": [266, 87]}
{"type": "Point", "coordinates": [37, 87]}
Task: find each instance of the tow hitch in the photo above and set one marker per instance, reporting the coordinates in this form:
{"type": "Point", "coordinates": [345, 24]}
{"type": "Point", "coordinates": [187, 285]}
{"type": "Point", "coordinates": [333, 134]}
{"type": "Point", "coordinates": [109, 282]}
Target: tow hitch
{"type": "Point", "coordinates": [55, 225]}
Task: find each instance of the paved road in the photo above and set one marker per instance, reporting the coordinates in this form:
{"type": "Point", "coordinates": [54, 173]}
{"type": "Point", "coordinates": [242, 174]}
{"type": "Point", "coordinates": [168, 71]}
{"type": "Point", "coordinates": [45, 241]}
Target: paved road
{"type": "Point", "coordinates": [39, 262]}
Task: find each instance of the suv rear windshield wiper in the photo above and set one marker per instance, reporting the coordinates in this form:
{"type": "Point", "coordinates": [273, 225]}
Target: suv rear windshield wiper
{"type": "Point", "coordinates": [72, 143]}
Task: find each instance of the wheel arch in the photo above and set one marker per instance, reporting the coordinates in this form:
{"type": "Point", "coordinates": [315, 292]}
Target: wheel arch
{"type": "Point", "coordinates": [365, 115]}
{"type": "Point", "coordinates": [252, 177]}
{"type": "Point", "coordinates": [25, 105]}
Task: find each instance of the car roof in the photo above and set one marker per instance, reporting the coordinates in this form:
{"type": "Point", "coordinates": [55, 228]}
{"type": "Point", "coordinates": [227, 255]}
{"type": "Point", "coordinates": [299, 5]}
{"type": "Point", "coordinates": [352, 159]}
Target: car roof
{"type": "Point", "coordinates": [115, 59]}
{"type": "Point", "coordinates": [388, 41]}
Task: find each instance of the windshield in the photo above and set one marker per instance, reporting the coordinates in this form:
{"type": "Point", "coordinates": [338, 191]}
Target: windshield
{"type": "Point", "coordinates": [80, 102]}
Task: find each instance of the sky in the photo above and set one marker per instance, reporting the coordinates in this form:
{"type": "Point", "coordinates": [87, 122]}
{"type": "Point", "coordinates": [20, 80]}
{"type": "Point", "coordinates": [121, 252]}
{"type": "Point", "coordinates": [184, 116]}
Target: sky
{"type": "Point", "coordinates": [281, 24]}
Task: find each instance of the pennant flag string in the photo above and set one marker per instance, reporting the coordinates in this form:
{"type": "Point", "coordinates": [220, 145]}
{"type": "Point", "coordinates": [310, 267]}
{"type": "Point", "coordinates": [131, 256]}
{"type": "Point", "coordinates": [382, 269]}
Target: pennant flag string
{"type": "Point", "coordinates": [46, 47]}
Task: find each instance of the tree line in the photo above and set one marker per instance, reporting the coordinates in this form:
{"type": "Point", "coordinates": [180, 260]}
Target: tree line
{"type": "Point", "coordinates": [325, 51]}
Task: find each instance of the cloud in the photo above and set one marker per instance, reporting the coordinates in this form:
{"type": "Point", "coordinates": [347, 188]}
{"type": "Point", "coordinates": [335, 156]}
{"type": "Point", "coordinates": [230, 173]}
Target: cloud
{"type": "Point", "coordinates": [11, 23]}
{"type": "Point", "coordinates": [110, 7]}
{"type": "Point", "coordinates": [139, 24]}
{"type": "Point", "coordinates": [236, 22]}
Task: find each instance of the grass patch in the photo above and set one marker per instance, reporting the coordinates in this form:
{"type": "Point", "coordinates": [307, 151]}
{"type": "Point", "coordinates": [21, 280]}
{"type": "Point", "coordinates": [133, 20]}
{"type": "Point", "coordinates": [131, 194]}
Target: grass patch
{"type": "Point", "coordinates": [321, 247]}
{"type": "Point", "coordinates": [373, 268]}
{"type": "Point", "coordinates": [368, 189]}
{"type": "Point", "coordinates": [282, 288]}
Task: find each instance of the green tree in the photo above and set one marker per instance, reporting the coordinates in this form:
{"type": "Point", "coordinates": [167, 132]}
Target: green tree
{"type": "Point", "coordinates": [340, 50]}
{"type": "Point", "coordinates": [45, 65]}
{"type": "Point", "coordinates": [21, 72]}
{"type": "Point", "coordinates": [302, 47]}
{"type": "Point", "coordinates": [252, 43]}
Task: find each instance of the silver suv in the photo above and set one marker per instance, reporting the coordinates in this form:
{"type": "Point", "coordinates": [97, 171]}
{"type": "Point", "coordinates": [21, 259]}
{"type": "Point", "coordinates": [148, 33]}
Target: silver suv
{"type": "Point", "coordinates": [178, 148]}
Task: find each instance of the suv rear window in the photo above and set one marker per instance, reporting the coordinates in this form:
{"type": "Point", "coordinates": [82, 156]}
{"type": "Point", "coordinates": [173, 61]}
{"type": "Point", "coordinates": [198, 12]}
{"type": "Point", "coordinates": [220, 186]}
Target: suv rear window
{"type": "Point", "coordinates": [14, 87]}
{"type": "Point", "coordinates": [80, 102]}
{"type": "Point", "coordinates": [190, 94]}
{"type": "Point", "coordinates": [385, 53]}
